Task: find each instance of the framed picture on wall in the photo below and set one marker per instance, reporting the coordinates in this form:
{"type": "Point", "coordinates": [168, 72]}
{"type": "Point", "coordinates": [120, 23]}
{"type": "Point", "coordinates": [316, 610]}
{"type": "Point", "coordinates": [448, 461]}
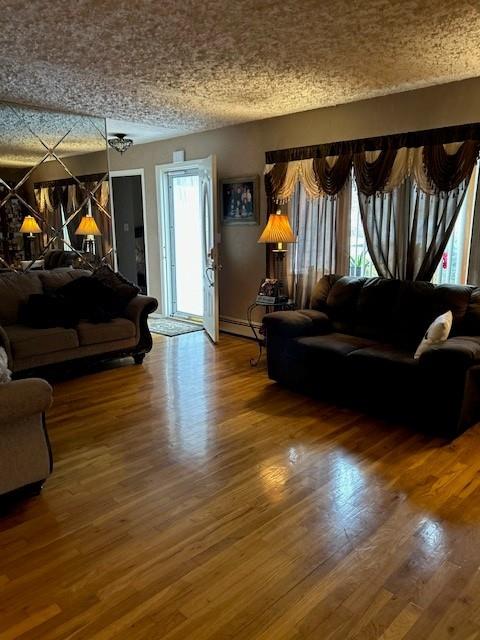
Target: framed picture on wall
{"type": "Point", "coordinates": [239, 200]}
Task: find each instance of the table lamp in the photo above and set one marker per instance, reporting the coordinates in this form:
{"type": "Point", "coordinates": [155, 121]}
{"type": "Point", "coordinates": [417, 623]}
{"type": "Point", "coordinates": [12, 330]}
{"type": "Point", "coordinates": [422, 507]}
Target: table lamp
{"type": "Point", "coordinates": [30, 226]}
{"type": "Point", "coordinates": [88, 228]}
{"type": "Point", "coordinates": [278, 232]}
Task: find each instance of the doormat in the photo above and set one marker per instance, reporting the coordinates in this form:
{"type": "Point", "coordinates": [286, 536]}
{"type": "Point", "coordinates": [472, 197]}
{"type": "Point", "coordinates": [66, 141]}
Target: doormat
{"type": "Point", "coordinates": [172, 327]}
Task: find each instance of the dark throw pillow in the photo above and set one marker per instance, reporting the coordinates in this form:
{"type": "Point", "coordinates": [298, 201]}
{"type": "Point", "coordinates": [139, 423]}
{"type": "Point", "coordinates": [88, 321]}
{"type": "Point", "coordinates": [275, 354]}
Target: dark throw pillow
{"type": "Point", "coordinates": [123, 290]}
{"type": "Point", "coordinates": [90, 299]}
{"type": "Point", "coordinates": [46, 310]}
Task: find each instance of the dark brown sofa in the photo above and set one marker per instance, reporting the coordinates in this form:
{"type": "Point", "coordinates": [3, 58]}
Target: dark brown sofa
{"type": "Point", "coordinates": [30, 348]}
{"type": "Point", "coordinates": [356, 347]}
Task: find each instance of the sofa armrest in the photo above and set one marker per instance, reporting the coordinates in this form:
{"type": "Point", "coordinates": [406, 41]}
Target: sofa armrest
{"type": "Point", "coordinates": [464, 350]}
{"type": "Point", "coordinates": [23, 398]}
{"type": "Point", "coordinates": [293, 324]}
{"type": "Point", "coordinates": [138, 311]}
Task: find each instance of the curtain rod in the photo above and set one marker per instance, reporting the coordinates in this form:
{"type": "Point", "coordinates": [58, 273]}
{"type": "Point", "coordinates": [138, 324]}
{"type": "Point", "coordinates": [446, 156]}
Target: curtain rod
{"type": "Point", "coordinates": [65, 182]}
{"type": "Point", "coordinates": [411, 139]}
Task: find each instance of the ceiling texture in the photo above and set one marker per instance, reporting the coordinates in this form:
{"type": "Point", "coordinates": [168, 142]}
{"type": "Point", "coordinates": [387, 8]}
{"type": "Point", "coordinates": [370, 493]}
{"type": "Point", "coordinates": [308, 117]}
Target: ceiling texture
{"type": "Point", "coordinates": [200, 64]}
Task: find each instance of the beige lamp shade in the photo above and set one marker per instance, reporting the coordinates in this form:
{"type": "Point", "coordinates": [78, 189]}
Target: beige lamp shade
{"type": "Point", "coordinates": [278, 230]}
{"type": "Point", "coordinates": [88, 227]}
{"type": "Point", "coordinates": [30, 225]}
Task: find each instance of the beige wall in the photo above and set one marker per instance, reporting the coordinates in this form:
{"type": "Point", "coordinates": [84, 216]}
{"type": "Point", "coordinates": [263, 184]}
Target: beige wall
{"type": "Point", "coordinates": [240, 150]}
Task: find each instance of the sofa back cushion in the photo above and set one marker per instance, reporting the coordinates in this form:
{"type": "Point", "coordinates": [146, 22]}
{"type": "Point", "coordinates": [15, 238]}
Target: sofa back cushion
{"type": "Point", "coordinates": [52, 280]}
{"type": "Point", "coordinates": [395, 311]}
{"type": "Point", "coordinates": [373, 313]}
{"type": "Point", "coordinates": [342, 301]}
{"type": "Point", "coordinates": [15, 289]}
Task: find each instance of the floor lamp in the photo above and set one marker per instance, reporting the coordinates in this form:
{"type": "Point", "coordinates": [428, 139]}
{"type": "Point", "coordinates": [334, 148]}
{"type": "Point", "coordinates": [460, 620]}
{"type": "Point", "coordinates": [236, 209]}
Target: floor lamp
{"type": "Point", "coordinates": [278, 232]}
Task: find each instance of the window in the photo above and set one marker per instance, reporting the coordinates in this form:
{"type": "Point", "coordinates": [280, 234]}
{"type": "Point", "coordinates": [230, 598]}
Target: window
{"type": "Point", "coordinates": [360, 261]}
{"type": "Point", "coordinates": [453, 267]}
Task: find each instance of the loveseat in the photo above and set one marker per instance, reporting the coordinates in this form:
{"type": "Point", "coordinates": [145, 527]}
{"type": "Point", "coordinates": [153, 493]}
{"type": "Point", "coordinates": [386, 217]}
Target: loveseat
{"type": "Point", "coordinates": [25, 454]}
{"type": "Point", "coordinates": [355, 346]}
{"type": "Point", "coordinates": [29, 348]}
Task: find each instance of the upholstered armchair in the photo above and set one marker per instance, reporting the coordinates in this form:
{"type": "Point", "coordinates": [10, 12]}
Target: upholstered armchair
{"type": "Point", "coordinates": [25, 455]}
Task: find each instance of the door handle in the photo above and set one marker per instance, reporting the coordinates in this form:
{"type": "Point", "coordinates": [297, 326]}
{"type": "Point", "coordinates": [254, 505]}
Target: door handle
{"type": "Point", "coordinates": [210, 275]}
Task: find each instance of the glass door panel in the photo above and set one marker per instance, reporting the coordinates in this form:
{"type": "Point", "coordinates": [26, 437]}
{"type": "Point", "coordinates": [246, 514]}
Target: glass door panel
{"type": "Point", "coordinates": [186, 244]}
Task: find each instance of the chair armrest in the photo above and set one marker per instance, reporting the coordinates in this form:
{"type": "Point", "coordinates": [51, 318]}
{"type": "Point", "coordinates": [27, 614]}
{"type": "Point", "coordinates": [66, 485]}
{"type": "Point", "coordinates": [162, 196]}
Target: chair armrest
{"type": "Point", "coordinates": [293, 324]}
{"type": "Point", "coordinates": [463, 350]}
{"type": "Point", "coordinates": [23, 398]}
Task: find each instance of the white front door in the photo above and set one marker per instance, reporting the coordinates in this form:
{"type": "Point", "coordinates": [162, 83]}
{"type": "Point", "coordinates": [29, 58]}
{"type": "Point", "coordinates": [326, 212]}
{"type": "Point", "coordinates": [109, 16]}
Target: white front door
{"type": "Point", "coordinates": [208, 207]}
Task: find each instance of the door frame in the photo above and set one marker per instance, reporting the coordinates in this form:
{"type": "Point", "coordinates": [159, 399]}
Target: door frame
{"type": "Point", "coordinates": [126, 173]}
{"type": "Point", "coordinates": [161, 183]}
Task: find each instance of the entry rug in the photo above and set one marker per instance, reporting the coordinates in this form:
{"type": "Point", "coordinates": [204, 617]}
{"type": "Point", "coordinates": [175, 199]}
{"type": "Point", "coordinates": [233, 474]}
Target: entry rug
{"type": "Point", "coordinates": [172, 327]}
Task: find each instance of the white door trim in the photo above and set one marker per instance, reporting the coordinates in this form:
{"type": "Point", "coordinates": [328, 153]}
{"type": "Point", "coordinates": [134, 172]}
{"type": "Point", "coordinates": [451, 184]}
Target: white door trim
{"type": "Point", "coordinates": [141, 173]}
{"type": "Point", "coordinates": [161, 185]}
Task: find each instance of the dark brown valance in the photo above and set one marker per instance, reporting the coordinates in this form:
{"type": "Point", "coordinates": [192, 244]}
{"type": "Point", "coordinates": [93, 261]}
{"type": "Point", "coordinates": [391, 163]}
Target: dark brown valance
{"type": "Point", "coordinates": [448, 171]}
{"type": "Point", "coordinates": [372, 176]}
{"type": "Point", "coordinates": [331, 178]}
{"type": "Point", "coordinates": [444, 135]}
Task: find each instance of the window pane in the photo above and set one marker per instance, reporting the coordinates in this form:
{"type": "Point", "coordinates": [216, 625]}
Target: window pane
{"type": "Point", "coordinates": [360, 261]}
{"type": "Point", "coordinates": [454, 263]}
{"type": "Point", "coordinates": [188, 245]}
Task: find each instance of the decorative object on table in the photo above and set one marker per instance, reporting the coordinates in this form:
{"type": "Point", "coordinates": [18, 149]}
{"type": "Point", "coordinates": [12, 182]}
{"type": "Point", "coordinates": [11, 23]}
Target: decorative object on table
{"type": "Point", "coordinates": [278, 232]}
{"type": "Point", "coordinates": [120, 142]}
{"type": "Point", "coordinates": [270, 292]}
{"type": "Point", "coordinates": [171, 327]}
{"type": "Point", "coordinates": [239, 200]}
{"type": "Point", "coordinates": [258, 333]}
{"type": "Point", "coordinates": [88, 228]}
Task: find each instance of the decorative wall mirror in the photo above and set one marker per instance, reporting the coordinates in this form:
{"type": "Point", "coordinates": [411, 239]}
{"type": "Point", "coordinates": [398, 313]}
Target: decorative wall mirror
{"type": "Point", "coordinates": [54, 190]}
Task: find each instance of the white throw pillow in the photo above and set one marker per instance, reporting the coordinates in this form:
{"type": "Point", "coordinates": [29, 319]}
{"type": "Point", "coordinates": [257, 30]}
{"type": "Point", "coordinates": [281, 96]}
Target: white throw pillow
{"type": "Point", "coordinates": [5, 373]}
{"type": "Point", "coordinates": [437, 333]}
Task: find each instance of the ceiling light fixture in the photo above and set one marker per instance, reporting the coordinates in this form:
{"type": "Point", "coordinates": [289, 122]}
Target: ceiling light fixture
{"type": "Point", "coordinates": [120, 143]}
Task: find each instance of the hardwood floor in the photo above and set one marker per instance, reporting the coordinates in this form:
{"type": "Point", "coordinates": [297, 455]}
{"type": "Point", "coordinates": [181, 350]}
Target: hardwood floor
{"type": "Point", "coordinates": [193, 498]}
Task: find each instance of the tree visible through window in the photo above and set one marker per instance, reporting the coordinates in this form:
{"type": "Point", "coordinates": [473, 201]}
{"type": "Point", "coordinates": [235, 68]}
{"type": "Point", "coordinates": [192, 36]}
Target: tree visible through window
{"type": "Point", "coordinates": [360, 261]}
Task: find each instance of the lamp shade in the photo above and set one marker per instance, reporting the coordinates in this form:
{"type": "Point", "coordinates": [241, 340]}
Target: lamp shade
{"type": "Point", "coordinates": [88, 227]}
{"type": "Point", "coordinates": [30, 225]}
{"type": "Point", "coordinates": [278, 229]}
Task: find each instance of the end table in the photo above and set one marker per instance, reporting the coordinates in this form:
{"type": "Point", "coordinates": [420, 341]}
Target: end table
{"type": "Point", "coordinates": [258, 333]}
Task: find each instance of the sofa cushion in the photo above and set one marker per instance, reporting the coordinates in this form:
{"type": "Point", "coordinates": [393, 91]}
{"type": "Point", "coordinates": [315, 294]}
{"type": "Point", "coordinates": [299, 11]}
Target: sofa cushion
{"type": "Point", "coordinates": [341, 302]}
{"type": "Point", "coordinates": [15, 289]}
{"type": "Point", "coordinates": [52, 280]}
{"type": "Point", "coordinates": [413, 313]}
{"type": "Point", "coordinates": [117, 329]}
{"type": "Point", "coordinates": [90, 299]}
{"type": "Point", "coordinates": [46, 310]}
{"type": "Point", "coordinates": [122, 289]}
{"type": "Point", "coordinates": [376, 299]}
{"type": "Point", "coordinates": [26, 342]}
{"type": "Point", "coordinates": [331, 345]}
{"type": "Point", "coordinates": [384, 355]}
{"type": "Point", "coordinates": [384, 377]}
{"type": "Point", "coordinates": [455, 298]}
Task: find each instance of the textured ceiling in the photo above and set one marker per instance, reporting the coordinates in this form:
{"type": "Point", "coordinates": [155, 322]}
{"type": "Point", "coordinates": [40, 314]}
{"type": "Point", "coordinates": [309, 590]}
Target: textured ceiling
{"type": "Point", "coordinates": [25, 135]}
{"type": "Point", "coordinates": [200, 64]}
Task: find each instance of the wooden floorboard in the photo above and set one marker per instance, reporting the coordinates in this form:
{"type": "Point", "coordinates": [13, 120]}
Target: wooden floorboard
{"type": "Point", "coordinates": [194, 498]}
